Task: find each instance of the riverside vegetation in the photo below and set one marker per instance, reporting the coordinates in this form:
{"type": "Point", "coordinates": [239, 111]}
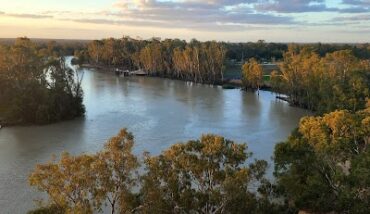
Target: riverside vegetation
{"type": "Point", "coordinates": [203, 62]}
{"type": "Point", "coordinates": [36, 86]}
{"type": "Point", "coordinates": [339, 80]}
{"type": "Point", "coordinates": [321, 168]}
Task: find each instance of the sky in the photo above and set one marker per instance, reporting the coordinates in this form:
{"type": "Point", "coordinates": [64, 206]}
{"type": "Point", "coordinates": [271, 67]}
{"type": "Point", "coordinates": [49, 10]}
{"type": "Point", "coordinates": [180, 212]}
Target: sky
{"type": "Point", "coordinates": [221, 20]}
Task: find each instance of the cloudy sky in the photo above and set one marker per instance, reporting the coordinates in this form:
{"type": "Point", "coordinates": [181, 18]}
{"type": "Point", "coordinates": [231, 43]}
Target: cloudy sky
{"type": "Point", "coordinates": [226, 20]}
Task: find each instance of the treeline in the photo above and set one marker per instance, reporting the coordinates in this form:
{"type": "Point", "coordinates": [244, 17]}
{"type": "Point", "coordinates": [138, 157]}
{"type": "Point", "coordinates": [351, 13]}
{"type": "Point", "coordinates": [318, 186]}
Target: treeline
{"type": "Point", "coordinates": [338, 80]}
{"type": "Point", "coordinates": [61, 47]}
{"type": "Point", "coordinates": [36, 86]}
{"type": "Point", "coordinates": [260, 50]}
{"type": "Point", "coordinates": [361, 51]}
{"type": "Point", "coordinates": [208, 175]}
{"type": "Point", "coordinates": [201, 62]}
{"type": "Point", "coordinates": [268, 52]}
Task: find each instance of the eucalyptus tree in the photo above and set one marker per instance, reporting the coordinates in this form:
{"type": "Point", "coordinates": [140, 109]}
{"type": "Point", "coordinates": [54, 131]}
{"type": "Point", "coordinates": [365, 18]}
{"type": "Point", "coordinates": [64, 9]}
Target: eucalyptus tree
{"type": "Point", "coordinates": [252, 75]}
{"type": "Point", "coordinates": [323, 166]}
{"type": "Point", "coordinates": [208, 175]}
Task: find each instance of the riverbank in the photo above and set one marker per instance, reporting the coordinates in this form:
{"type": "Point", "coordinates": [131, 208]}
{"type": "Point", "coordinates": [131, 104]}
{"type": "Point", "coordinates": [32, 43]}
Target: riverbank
{"type": "Point", "coordinates": [7, 123]}
{"type": "Point", "coordinates": [230, 83]}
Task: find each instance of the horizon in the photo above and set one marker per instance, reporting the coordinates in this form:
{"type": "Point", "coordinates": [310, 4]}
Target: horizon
{"type": "Point", "coordinates": [279, 21]}
{"type": "Point", "coordinates": [187, 40]}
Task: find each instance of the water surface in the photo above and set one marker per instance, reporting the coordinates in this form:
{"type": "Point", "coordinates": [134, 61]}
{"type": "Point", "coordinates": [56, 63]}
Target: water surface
{"type": "Point", "coordinates": [159, 112]}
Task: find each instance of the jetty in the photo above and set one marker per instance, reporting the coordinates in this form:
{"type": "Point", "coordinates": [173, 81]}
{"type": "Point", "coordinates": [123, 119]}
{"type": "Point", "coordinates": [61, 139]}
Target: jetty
{"type": "Point", "coordinates": [139, 72]}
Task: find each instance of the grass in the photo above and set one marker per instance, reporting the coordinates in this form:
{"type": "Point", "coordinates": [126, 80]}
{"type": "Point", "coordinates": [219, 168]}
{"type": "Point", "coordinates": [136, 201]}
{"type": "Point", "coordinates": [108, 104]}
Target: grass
{"type": "Point", "coordinates": [233, 71]}
{"type": "Point", "coordinates": [266, 78]}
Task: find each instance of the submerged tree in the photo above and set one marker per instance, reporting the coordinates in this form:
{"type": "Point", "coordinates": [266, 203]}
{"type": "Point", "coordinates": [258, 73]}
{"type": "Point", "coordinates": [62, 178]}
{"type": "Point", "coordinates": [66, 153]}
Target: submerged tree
{"type": "Point", "coordinates": [252, 75]}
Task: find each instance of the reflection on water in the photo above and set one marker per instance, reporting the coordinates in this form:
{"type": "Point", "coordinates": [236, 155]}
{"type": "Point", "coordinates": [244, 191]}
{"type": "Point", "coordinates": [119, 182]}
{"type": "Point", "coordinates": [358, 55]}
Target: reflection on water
{"type": "Point", "coordinates": [159, 112]}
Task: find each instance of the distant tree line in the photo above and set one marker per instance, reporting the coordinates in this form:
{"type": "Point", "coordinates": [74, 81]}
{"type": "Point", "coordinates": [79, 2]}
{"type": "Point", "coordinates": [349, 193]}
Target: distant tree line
{"type": "Point", "coordinates": [260, 50]}
{"type": "Point", "coordinates": [201, 62]}
{"type": "Point", "coordinates": [61, 47]}
{"type": "Point", "coordinates": [265, 51]}
{"type": "Point", "coordinates": [36, 86]}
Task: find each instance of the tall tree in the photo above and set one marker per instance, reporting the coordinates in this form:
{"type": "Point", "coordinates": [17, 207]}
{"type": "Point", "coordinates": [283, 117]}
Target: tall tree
{"type": "Point", "coordinates": [252, 75]}
{"type": "Point", "coordinates": [202, 176]}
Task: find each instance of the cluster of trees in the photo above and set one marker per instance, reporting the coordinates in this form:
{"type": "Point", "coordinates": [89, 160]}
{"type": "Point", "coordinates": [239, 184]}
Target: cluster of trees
{"type": "Point", "coordinates": [36, 86]}
{"type": "Point", "coordinates": [202, 62]}
{"type": "Point", "coordinates": [208, 175]}
{"type": "Point", "coordinates": [324, 166]}
{"type": "Point", "coordinates": [195, 61]}
{"type": "Point", "coordinates": [323, 84]}
{"type": "Point", "coordinates": [252, 75]}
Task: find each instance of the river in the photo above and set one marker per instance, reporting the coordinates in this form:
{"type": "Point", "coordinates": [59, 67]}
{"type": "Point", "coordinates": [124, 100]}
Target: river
{"type": "Point", "coordinates": [159, 112]}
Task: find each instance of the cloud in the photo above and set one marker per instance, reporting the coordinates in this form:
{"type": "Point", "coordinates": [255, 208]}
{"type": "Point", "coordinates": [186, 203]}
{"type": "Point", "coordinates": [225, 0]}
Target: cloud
{"type": "Point", "coordinates": [209, 15]}
{"type": "Point", "coordinates": [357, 2]}
{"type": "Point", "coordinates": [26, 15]}
{"type": "Point", "coordinates": [216, 27]}
{"type": "Point", "coordinates": [196, 14]}
{"type": "Point", "coordinates": [353, 18]}
{"type": "Point", "coordinates": [357, 6]}
{"type": "Point", "coordinates": [296, 6]}
{"type": "Point", "coordinates": [301, 6]}
{"type": "Point", "coordinates": [354, 10]}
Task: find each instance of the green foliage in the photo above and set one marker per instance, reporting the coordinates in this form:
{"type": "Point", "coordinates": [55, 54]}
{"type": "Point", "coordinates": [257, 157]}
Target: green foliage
{"type": "Point", "coordinates": [36, 86]}
{"type": "Point", "coordinates": [209, 175]}
{"type": "Point", "coordinates": [259, 50]}
{"type": "Point", "coordinates": [252, 74]}
{"type": "Point", "coordinates": [337, 81]}
{"type": "Point", "coordinates": [203, 176]}
{"type": "Point", "coordinates": [195, 61]}
{"type": "Point", "coordinates": [324, 165]}
{"type": "Point", "coordinates": [85, 183]}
